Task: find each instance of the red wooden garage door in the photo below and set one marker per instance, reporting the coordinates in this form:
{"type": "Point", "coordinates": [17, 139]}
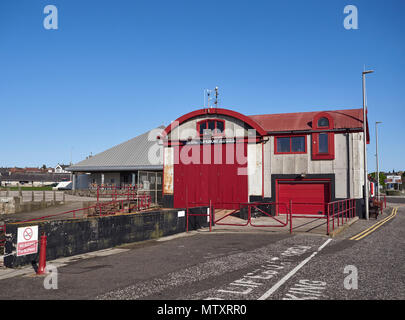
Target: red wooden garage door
{"type": "Point", "coordinates": [217, 181]}
{"type": "Point", "coordinates": [307, 197]}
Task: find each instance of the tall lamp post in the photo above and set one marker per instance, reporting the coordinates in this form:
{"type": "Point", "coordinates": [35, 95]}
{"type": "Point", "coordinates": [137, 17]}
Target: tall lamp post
{"type": "Point", "coordinates": [376, 158]}
{"type": "Point", "coordinates": [365, 142]}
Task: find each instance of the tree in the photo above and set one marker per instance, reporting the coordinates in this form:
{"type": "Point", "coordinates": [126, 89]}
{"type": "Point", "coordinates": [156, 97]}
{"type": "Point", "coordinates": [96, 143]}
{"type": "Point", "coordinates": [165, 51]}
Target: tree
{"type": "Point", "coordinates": [382, 177]}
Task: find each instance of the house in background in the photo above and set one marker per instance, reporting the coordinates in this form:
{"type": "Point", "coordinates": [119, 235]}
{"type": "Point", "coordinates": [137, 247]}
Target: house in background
{"type": "Point", "coordinates": [61, 168]}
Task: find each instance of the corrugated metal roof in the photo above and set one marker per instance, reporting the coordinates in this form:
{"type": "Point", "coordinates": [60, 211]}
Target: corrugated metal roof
{"type": "Point", "coordinates": [129, 155]}
{"type": "Point", "coordinates": [343, 119]}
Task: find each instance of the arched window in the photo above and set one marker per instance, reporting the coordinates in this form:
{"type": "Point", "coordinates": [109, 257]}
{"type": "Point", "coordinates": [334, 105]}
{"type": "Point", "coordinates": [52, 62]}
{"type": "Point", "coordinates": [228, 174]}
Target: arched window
{"type": "Point", "coordinates": [211, 126]}
{"type": "Point", "coordinates": [323, 139]}
{"type": "Point", "coordinates": [323, 122]}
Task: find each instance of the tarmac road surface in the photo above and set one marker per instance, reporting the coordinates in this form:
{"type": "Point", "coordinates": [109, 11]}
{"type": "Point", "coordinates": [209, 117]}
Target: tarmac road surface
{"type": "Point", "coordinates": [238, 265]}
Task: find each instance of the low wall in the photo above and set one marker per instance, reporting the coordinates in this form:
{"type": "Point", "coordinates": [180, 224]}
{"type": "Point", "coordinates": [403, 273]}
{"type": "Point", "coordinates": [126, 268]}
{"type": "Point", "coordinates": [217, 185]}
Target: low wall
{"type": "Point", "coordinates": [12, 205]}
{"type": "Point", "coordinates": [76, 236]}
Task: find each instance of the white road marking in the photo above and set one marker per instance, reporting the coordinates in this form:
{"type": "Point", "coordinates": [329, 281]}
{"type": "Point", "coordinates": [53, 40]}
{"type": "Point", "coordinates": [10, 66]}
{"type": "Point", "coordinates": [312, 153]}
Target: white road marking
{"type": "Point", "coordinates": [292, 272]}
{"type": "Point", "coordinates": [306, 290]}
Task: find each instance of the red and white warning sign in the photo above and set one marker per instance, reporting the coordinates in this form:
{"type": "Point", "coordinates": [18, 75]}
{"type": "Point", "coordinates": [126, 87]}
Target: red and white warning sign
{"type": "Point", "coordinates": [27, 240]}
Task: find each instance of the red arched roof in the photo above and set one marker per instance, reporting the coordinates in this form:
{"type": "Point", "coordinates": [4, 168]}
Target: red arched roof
{"type": "Point", "coordinates": [214, 111]}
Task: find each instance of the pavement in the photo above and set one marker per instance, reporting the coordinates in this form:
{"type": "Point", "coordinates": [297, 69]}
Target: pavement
{"type": "Point", "coordinates": [236, 266]}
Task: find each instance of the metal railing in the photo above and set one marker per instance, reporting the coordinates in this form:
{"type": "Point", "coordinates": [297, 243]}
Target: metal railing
{"type": "Point", "coordinates": [2, 235]}
{"type": "Point", "coordinates": [250, 210]}
{"type": "Point", "coordinates": [341, 211]}
{"type": "Point", "coordinates": [335, 213]}
{"type": "Point", "coordinates": [196, 205]}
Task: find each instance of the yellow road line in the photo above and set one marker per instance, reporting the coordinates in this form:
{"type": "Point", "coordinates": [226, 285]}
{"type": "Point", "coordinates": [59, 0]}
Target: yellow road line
{"type": "Point", "coordinates": [364, 231]}
{"type": "Point", "coordinates": [378, 226]}
{"type": "Point", "coordinates": [375, 226]}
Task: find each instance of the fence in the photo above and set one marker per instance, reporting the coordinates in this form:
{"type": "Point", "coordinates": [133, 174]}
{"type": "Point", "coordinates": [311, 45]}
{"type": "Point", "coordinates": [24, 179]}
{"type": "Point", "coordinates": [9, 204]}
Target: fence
{"type": "Point", "coordinates": [198, 205]}
{"type": "Point", "coordinates": [282, 214]}
{"type": "Point", "coordinates": [2, 235]}
{"type": "Point", "coordinates": [340, 211]}
{"type": "Point", "coordinates": [34, 196]}
{"type": "Point", "coordinates": [246, 211]}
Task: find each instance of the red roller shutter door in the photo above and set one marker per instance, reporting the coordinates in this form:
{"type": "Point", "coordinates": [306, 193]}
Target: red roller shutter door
{"type": "Point", "coordinates": [217, 181]}
{"type": "Point", "coordinates": [307, 197]}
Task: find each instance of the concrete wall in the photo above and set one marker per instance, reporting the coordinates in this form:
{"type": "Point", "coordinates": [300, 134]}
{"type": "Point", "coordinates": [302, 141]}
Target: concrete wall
{"type": "Point", "coordinates": [347, 165]}
{"type": "Point", "coordinates": [77, 236]}
{"type": "Point", "coordinates": [254, 153]}
{"type": "Point", "coordinates": [12, 205]}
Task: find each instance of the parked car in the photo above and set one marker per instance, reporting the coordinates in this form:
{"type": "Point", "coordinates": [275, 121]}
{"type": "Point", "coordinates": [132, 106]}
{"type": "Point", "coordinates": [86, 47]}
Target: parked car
{"type": "Point", "coordinates": [64, 185]}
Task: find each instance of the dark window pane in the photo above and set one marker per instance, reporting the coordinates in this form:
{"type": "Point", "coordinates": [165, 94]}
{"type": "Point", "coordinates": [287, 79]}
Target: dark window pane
{"type": "Point", "coordinates": [203, 125]}
{"type": "Point", "coordinates": [220, 126]}
{"type": "Point", "coordinates": [323, 143]}
{"type": "Point", "coordinates": [211, 125]}
{"type": "Point", "coordinates": [283, 144]}
{"type": "Point", "coordinates": [298, 144]}
{"type": "Point", "coordinates": [323, 122]}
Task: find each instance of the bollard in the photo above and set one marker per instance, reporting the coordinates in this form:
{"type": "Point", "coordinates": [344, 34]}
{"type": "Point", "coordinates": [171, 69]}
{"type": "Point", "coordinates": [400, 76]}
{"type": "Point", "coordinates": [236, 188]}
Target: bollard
{"type": "Point", "coordinates": [32, 196]}
{"type": "Point", "coordinates": [42, 255]}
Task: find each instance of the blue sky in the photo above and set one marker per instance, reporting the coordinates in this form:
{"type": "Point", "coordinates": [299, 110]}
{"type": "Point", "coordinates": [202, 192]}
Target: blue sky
{"type": "Point", "coordinates": [115, 69]}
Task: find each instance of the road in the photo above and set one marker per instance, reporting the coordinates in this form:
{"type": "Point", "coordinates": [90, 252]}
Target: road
{"type": "Point", "coordinates": [237, 265]}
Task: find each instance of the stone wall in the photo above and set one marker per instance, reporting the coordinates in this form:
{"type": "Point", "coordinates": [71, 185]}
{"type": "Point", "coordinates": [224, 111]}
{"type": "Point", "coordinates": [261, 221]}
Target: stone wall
{"type": "Point", "coordinates": [77, 236]}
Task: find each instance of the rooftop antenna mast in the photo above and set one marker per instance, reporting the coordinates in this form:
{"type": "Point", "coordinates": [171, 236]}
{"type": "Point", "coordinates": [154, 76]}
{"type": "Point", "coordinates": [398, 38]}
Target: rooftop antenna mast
{"type": "Point", "coordinates": [208, 92]}
{"type": "Point", "coordinates": [216, 97]}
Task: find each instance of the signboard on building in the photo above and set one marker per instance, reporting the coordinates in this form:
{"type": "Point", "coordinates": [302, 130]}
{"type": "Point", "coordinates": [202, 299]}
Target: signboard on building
{"type": "Point", "coordinates": [393, 179]}
{"type": "Point", "coordinates": [27, 240]}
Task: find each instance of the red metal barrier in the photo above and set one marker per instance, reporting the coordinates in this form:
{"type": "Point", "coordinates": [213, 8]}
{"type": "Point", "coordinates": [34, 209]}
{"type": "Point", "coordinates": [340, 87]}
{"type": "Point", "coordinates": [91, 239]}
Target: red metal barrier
{"type": "Point", "coordinates": [268, 214]}
{"type": "Point", "coordinates": [2, 235]}
{"type": "Point", "coordinates": [341, 211]}
{"type": "Point", "coordinates": [130, 192]}
{"type": "Point", "coordinates": [255, 206]}
{"type": "Point", "coordinates": [196, 205]}
{"type": "Point", "coordinates": [232, 204]}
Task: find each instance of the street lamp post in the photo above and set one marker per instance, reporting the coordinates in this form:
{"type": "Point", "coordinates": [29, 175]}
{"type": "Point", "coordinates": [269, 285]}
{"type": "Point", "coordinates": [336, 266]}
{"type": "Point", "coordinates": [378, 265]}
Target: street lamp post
{"type": "Point", "coordinates": [365, 142]}
{"type": "Point", "coordinates": [376, 156]}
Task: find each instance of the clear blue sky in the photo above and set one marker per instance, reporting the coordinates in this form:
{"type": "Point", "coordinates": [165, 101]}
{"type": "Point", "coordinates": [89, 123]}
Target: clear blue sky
{"type": "Point", "coordinates": [115, 69]}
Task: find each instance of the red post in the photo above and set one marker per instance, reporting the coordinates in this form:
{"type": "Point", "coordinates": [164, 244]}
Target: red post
{"type": "Point", "coordinates": [346, 206]}
{"type": "Point", "coordinates": [98, 192]}
{"type": "Point", "coordinates": [327, 219]}
{"type": "Point", "coordinates": [42, 255]}
{"type": "Point", "coordinates": [290, 216]}
{"type": "Point", "coordinates": [354, 208]}
{"type": "Point", "coordinates": [342, 214]}
{"type": "Point", "coordinates": [210, 215]}
{"type": "Point", "coordinates": [186, 210]}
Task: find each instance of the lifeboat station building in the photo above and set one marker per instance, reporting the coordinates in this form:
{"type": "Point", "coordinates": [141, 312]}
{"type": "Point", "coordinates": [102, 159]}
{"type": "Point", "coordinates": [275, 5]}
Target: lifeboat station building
{"type": "Point", "coordinates": [223, 157]}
